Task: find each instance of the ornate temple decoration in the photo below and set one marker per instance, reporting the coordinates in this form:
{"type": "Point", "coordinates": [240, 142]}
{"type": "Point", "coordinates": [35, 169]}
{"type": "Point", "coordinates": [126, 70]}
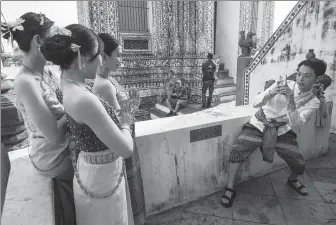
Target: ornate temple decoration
{"type": "Point", "coordinates": [268, 45]}
{"type": "Point", "coordinates": [136, 43]}
{"type": "Point", "coordinates": [249, 14]}
{"type": "Point", "coordinates": [183, 28]}
{"type": "Point", "coordinates": [268, 19]}
{"type": "Point", "coordinates": [101, 16]}
{"type": "Point", "coordinates": [245, 22]}
{"type": "Point", "coordinates": [182, 36]}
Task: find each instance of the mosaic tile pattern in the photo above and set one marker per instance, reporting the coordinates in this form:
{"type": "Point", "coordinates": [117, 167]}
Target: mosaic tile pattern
{"type": "Point", "coordinates": [183, 35]}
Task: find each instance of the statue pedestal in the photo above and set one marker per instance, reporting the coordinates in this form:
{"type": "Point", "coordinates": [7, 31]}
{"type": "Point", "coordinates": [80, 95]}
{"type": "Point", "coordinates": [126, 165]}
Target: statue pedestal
{"type": "Point", "coordinates": [242, 63]}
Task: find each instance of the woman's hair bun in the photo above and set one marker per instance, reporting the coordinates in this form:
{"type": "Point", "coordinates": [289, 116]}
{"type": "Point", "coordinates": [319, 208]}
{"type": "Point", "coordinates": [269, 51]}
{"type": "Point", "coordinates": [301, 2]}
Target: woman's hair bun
{"type": "Point", "coordinates": [57, 49]}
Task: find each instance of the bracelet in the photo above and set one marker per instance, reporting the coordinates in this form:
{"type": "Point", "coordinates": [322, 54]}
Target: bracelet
{"type": "Point", "coordinates": [126, 128]}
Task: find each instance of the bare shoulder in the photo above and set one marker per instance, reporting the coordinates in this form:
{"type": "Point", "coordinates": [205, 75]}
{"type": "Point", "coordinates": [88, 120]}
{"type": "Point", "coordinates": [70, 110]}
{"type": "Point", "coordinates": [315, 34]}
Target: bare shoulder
{"type": "Point", "coordinates": [25, 84]}
{"type": "Point", "coordinates": [84, 104]}
{"type": "Point", "coordinates": [103, 83]}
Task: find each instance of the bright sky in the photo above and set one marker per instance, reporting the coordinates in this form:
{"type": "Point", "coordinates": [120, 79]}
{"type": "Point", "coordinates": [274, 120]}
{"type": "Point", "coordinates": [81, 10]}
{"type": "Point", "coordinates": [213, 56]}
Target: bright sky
{"type": "Point", "coordinates": [281, 10]}
{"type": "Point", "coordinates": [65, 12]}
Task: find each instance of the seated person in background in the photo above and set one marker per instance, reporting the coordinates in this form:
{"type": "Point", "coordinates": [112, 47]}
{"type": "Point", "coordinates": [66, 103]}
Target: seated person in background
{"type": "Point", "coordinates": [177, 98]}
{"type": "Point", "coordinates": [170, 82]}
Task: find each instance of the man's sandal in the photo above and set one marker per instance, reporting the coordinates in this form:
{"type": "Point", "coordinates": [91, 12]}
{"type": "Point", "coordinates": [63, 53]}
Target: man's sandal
{"type": "Point", "coordinates": [233, 196]}
{"type": "Point", "coordinates": [291, 183]}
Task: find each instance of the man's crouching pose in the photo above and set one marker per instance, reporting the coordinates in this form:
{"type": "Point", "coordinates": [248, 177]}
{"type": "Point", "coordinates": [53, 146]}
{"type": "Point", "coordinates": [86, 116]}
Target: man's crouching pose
{"type": "Point", "coordinates": [284, 109]}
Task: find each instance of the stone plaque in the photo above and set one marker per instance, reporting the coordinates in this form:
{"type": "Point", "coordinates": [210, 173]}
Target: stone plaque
{"type": "Point", "coordinates": [205, 133]}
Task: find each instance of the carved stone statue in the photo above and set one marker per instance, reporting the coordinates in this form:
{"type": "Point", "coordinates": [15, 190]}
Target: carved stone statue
{"type": "Point", "coordinates": [246, 44]}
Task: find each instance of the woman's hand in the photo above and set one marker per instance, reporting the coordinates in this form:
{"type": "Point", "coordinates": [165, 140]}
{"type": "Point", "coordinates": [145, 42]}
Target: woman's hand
{"type": "Point", "coordinates": [134, 97]}
{"type": "Point", "coordinates": [127, 113]}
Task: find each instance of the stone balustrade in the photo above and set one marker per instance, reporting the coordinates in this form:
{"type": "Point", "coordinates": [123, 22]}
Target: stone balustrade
{"type": "Point", "coordinates": [182, 158]}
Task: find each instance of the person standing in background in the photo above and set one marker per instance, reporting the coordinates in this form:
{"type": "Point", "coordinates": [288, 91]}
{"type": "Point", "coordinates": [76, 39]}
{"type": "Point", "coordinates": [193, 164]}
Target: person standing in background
{"type": "Point", "coordinates": [208, 70]}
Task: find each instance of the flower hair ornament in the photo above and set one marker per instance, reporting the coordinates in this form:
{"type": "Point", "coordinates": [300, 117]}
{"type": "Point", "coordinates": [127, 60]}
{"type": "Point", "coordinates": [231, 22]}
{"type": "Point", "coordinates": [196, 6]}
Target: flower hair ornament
{"type": "Point", "coordinates": [76, 48]}
{"type": "Point", "coordinates": [11, 26]}
{"type": "Point", "coordinates": [56, 30]}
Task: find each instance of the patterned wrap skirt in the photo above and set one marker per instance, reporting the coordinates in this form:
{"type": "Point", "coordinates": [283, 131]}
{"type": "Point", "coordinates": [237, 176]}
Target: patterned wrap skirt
{"type": "Point", "coordinates": [101, 191]}
{"type": "Point", "coordinates": [136, 187]}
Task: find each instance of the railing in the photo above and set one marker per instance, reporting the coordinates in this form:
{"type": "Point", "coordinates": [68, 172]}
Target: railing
{"type": "Point", "coordinates": [269, 44]}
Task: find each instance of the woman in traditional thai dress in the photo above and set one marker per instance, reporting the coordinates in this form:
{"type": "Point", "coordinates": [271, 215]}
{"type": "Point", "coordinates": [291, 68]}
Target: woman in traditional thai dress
{"type": "Point", "coordinates": [109, 89]}
{"type": "Point", "coordinates": [39, 100]}
{"type": "Point", "coordinates": [100, 139]}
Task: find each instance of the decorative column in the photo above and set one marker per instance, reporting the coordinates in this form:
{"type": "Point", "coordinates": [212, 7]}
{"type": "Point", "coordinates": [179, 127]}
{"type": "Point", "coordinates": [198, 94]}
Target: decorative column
{"type": "Point", "coordinates": [183, 28]}
{"type": "Point", "coordinates": [101, 16]}
{"type": "Point", "coordinates": [267, 22]}
{"type": "Point", "coordinates": [249, 11]}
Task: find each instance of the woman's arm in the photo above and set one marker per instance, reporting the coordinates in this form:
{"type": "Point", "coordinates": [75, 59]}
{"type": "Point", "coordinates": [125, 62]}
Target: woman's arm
{"type": "Point", "coordinates": [108, 92]}
{"type": "Point", "coordinates": [29, 93]}
{"type": "Point", "coordinates": [90, 111]}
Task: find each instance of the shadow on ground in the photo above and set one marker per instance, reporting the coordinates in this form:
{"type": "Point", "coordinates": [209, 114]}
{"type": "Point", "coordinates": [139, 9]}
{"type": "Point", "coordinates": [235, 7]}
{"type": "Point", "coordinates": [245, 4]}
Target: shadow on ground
{"type": "Point", "coordinates": [268, 200]}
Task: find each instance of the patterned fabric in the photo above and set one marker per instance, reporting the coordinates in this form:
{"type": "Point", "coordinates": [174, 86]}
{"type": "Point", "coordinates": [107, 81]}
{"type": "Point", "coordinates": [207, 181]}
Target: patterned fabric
{"type": "Point", "coordinates": [286, 146]}
{"type": "Point", "coordinates": [321, 84]}
{"type": "Point", "coordinates": [133, 170]}
{"type": "Point", "coordinates": [84, 137]}
{"type": "Point", "coordinates": [100, 191]}
{"type": "Point", "coordinates": [52, 95]}
{"type": "Point", "coordinates": [122, 94]}
{"type": "Point", "coordinates": [270, 134]}
{"type": "Point", "coordinates": [276, 108]}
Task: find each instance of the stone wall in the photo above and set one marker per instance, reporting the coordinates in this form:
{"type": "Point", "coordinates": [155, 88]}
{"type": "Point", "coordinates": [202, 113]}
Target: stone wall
{"type": "Point", "coordinates": [314, 27]}
{"type": "Point", "coordinates": [182, 158]}
{"type": "Point", "coordinates": [177, 169]}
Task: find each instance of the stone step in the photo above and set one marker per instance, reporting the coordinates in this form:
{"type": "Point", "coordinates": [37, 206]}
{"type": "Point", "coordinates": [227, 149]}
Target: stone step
{"type": "Point", "coordinates": [161, 110]}
{"type": "Point", "coordinates": [227, 98]}
{"type": "Point", "coordinates": [225, 80]}
{"type": "Point", "coordinates": [156, 113]}
{"type": "Point", "coordinates": [226, 88]}
{"type": "Point", "coordinates": [164, 109]}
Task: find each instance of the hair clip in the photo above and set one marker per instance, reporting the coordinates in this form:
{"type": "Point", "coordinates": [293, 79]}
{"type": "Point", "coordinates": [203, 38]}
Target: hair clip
{"type": "Point", "coordinates": [76, 48]}
{"type": "Point", "coordinates": [41, 19]}
{"type": "Point", "coordinates": [56, 30]}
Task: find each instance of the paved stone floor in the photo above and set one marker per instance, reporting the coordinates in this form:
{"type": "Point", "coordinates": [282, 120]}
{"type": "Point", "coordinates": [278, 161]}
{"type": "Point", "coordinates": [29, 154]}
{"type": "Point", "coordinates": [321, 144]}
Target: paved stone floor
{"type": "Point", "coordinates": [268, 200]}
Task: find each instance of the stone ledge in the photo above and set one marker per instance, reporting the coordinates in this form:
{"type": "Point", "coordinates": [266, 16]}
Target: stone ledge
{"type": "Point", "coordinates": [176, 171]}
{"type": "Point", "coordinates": [29, 196]}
